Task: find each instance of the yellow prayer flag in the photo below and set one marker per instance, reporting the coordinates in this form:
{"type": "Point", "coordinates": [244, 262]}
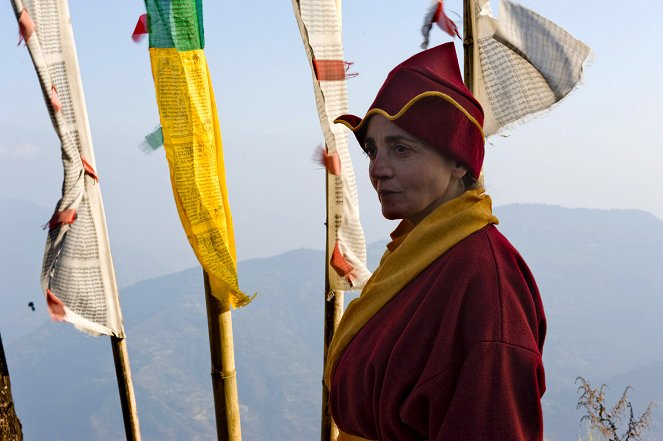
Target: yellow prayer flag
{"type": "Point", "coordinates": [192, 141]}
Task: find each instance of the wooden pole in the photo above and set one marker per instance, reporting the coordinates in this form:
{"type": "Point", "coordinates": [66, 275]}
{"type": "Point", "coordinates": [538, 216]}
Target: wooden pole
{"type": "Point", "coordinates": [10, 426]}
{"type": "Point", "coordinates": [224, 378]}
{"type": "Point", "coordinates": [333, 313]}
{"type": "Point", "coordinates": [468, 44]}
{"type": "Point", "coordinates": [126, 388]}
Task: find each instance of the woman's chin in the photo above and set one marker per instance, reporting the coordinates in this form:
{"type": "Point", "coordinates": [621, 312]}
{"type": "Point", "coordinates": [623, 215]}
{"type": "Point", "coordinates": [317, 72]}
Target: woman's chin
{"type": "Point", "coordinates": [392, 214]}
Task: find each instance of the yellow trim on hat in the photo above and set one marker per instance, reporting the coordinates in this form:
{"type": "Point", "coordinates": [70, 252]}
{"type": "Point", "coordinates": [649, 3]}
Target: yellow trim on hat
{"type": "Point", "coordinates": [409, 104]}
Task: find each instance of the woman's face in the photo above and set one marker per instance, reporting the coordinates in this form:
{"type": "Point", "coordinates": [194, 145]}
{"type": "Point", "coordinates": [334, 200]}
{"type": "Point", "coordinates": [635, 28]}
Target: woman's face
{"type": "Point", "coordinates": [410, 177]}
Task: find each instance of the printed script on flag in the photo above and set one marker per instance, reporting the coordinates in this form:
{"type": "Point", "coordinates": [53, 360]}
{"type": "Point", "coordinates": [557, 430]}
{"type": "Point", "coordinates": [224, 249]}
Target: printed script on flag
{"type": "Point", "coordinates": [527, 63]}
{"type": "Point", "coordinates": [192, 140]}
{"type": "Point", "coordinates": [320, 25]}
{"type": "Point", "coordinates": [77, 275]}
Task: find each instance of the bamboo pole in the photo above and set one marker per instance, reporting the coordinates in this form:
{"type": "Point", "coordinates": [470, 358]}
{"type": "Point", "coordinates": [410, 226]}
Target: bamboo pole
{"type": "Point", "coordinates": [333, 313]}
{"type": "Point", "coordinates": [468, 44]}
{"type": "Point", "coordinates": [10, 425]}
{"type": "Point", "coordinates": [224, 378]}
{"type": "Point", "coordinates": [126, 388]}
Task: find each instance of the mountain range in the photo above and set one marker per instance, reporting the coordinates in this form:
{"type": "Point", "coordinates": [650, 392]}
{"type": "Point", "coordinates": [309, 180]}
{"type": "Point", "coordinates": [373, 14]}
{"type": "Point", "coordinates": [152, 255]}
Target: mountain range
{"type": "Point", "coordinates": [599, 272]}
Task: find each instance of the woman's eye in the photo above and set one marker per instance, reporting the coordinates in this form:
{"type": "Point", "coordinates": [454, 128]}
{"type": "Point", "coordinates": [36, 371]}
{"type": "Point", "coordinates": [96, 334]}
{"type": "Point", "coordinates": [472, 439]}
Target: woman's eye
{"type": "Point", "coordinates": [370, 151]}
{"type": "Point", "coordinates": [402, 148]}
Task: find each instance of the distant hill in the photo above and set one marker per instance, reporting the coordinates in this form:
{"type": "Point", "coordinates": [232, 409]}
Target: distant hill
{"type": "Point", "coordinates": [599, 273]}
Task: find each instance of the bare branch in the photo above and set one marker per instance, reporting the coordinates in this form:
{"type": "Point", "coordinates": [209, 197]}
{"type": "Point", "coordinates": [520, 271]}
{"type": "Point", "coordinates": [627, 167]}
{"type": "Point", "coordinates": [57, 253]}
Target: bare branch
{"type": "Point", "coordinates": [607, 422]}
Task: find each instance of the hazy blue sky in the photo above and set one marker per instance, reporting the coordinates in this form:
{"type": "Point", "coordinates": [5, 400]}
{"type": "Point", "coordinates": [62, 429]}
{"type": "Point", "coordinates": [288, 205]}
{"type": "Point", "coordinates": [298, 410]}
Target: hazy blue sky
{"type": "Point", "coordinates": [600, 148]}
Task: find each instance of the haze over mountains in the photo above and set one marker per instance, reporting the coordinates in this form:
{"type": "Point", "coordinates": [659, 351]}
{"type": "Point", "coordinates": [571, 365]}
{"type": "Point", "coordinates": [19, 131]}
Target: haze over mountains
{"type": "Point", "coordinates": [599, 272]}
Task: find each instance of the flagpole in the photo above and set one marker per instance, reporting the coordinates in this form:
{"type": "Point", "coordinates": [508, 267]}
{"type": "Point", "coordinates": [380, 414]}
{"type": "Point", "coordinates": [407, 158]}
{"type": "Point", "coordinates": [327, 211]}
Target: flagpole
{"type": "Point", "coordinates": [224, 378]}
{"type": "Point", "coordinates": [10, 425]}
{"type": "Point", "coordinates": [126, 388]}
{"type": "Point", "coordinates": [468, 44]}
{"type": "Point", "coordinates": [333, 313]}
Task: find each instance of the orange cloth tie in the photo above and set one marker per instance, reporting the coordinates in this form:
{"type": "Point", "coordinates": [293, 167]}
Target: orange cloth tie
{"type": "Point", "coordinates": [55, 307]}
{"type": "Point", "coordinates": [332, 162]}
{"type": "Point", "coordinates": [55, 99]}
{"type": "Point", "coordinates": [66, 217]}
{"type": "Point", "coordinates": [26, 26]}
{"type": "Point", "coordinates": [89, 169]}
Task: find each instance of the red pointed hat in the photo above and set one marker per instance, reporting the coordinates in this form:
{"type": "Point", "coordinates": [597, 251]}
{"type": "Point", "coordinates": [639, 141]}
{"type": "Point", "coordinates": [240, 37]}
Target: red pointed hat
{"type": "Point", "coordinates": [426, 97]}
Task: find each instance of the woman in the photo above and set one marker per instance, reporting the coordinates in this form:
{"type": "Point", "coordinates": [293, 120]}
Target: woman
{"type": "Point", "coordinates": [445, 341]}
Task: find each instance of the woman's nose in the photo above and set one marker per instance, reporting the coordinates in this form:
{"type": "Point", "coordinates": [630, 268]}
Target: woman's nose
{"type": "Point", "coordinates": [379, 167]}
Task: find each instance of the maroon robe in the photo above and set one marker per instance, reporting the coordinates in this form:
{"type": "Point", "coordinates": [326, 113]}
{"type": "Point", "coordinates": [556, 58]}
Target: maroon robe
{"type": "Point", "coordinates": [455, 356]}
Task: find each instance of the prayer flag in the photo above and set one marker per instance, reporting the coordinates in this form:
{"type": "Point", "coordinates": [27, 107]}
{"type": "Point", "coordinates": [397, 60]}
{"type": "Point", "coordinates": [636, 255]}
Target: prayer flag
{"type": "Point", "coordinates": [192, 139]}
{"type": "Point", "coordinates": [524, 63]}
{"type": "Point", "coordinates": [320, 26]}
{"type": "Point", "coordinates": [77, 276]}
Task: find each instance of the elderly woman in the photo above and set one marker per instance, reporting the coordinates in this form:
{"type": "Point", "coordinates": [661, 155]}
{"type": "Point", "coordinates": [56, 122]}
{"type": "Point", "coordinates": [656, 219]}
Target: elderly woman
{"type": "Point", "coordinates": [445, 341]}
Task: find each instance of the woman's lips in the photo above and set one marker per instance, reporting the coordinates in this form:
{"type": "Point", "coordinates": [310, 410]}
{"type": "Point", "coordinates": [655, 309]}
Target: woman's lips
{"type": "Point", "coordinates": [386, 193]}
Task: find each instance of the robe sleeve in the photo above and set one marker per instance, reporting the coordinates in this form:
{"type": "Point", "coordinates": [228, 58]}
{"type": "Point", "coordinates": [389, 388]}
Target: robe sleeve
{"type": "Point", "coordinates": [491, 392]}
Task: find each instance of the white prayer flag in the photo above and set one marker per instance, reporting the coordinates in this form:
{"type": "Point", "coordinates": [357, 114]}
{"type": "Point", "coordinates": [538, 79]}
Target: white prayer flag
{"type": "Point", "coordinates": [320, 25]}
{"type": "Point", "coordinates": [524, 63]}
{"type": "Point", "coordinates": [77, 277]}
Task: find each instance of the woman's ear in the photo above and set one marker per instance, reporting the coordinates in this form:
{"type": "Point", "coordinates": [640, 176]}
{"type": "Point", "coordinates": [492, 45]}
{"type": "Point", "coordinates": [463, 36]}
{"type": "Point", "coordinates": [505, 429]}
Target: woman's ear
{"type": "Point", "coordinates": [458, 170]}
